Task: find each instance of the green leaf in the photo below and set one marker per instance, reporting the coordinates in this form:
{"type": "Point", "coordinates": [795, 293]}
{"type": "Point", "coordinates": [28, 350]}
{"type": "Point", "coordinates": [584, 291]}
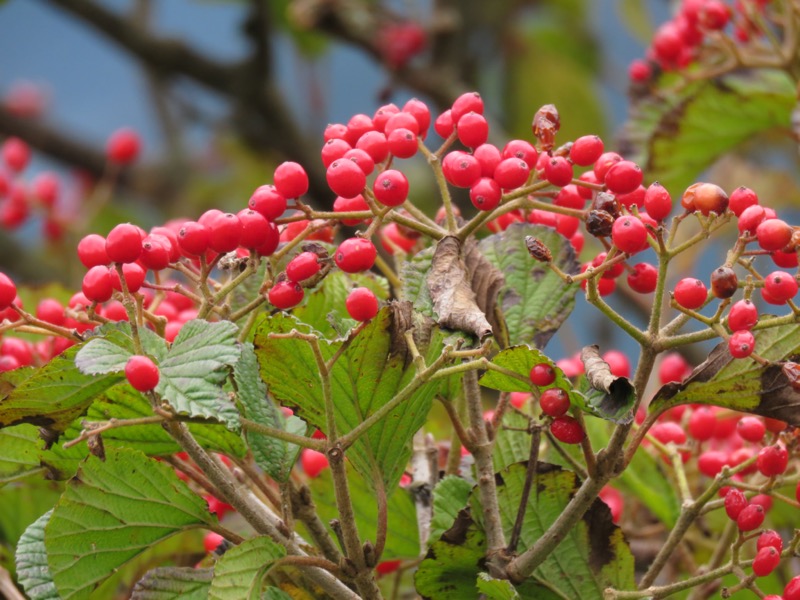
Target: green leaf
{"type": "Point", "coordinates": [496, 589]}
{"type": "Point", "coordinates": [511, 445]}
{"type": "Point", "coordinates": [196, 366]}
{"type": "Point", "coordinates": [21, 505]}
{"type": "Point", "coordinates": [402, 539]}
{"type": "Point", "coordinates": [239, 574]}
{"type": "Point", "coordinates": [19, 452]}
{"type": "Point", "coordinates": [680, 129]}
{"type": "Point", "coordinates": [413, 274]}
{"type": "Point", "coordinates": [327, 302]}
{"type": "Point", "coordinates": [367, 376]}
{"type": "Point", "coordinates": [275, 456]}
{"type": "Point", "coordinates": [743, 384]}
{"type": "Point", "coordinates": [173, 583]}
{"type": "Point", "coordinates": [592, 557]}
{"type": "Point", "coordinates": [53, 395]}
{"type": "Point", "coordinates": [450, 496]}
{"type": "Point", "coordinates": [535, 301]}
{"type": "Point", "coordinates": [33, 571]}
{"type": "Point", "coordinates": [273, 593]}
{"type": "Point", "coordinates": [110, 512]}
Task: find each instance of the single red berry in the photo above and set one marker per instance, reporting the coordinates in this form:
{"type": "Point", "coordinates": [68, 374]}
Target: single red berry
{"type": "Point", "coordinates": [586, 150]}
{"type": "Point", "coordinates": [142, 373]}
{"type": "Point", "coordinates": [558, 171]}
{"type": "Point", "coordinates": [155, 252]}
{"type": "Point", "coordinates": [542, 374]}
{"type": "Point", "coordinates": [603, 164]}
{"type": "Point", "coordinates": [334, 131]}
{"type": "Point", "coordinates": [770, 539]}
{"type": "Point", "coordinates": [382, 115]}
{"type": "Point", "coordinates": [735, 503]}
{"type": "Point", "coordinates": [357, 126]}
{"type": "Point", "coordinates": [313, 462]}
{"type": "Point", "coordinates": [385, 567]}
{"type": "Point", "coordinates": [702, 423]}
{"type": "Point", "coordinates": [16, 154]}
{"type": "Point", "coordinates": [291, 180]}
{"type": "Point", "coordinates": [461, 169]}
{"type": "Point", "coordinates": [765, 561]}
{"type": "Point", "coordinates": [667, 431]}
{"type": "Point", "coordinates": [225, 233]}
{"type": "Point", "coordinates": [523, 150]}
{"type": "Point", "coordinates": [792, 589]}
{"type": "Point", "coordinates": [443, 125]}
{"type": "Point", "coordinates": [741, 344]}
{"type": "Point", "coordinates": [393, 239]}
{"type": "Point", "coordinates": [742, 315]}
{"type": "Point", "coordinates": [780, 286]}
{"type": "Point", "coordinates": [8, 292]}
{"type": "Point", "coordinates": [124, 243]}
{"type": "Point", "coordinates": [707, 198]}
{"type": "Point", "coordinates": [401, 120]}
{"type": "Point", "coordinates": [268, 201]}
{"type": "Point", "coordinates": [402, 143]}
{"type": "Point", "coordinates": [356, 203]}
{"type": "Point", "coordinates": [667, 43]}
{"type": "Point", "coordinates": [485, 194]}
{"type": "Point", "coordinates": [772, 460]}
{"type": "Point", "coordinates": [488, 155]}
{"type": "Point", "coordinates": [375, 144]}
{"type": "Point", "coordinates": [124, 146]}
{"type": "Point", "coordinates": [618, 363]}
{"type": "Point", "coordinates": [390, 188]}
{"type": "Point", "coordinates": [333, 150]}
{"type": "Point", "coordinates": [773, 234]}
{"type": "Point", "coordinates": [255, 228]}
{"type": "Point", "coordinates": [345, 178]}
{"type": "Point", "coordinates": [466, 102]}
{"type": "Point", "coordinates": [740, 199]}
{"type": "Point", "coordinates": [511, 173]}
{"type": "Point", "coordinates": [97, 284]}
{"type": "Point", "coordinates": [48, 309]}
{"type": "Point", "coordinates": [303, 266]}
{"type": "Point", "coordinates": [623, 177]}
{"type": "Point", "coordinates": [751, 429]}
{"type": "Point", "coordinates": [567, 430]}
{"type": "Point", "coordinates": [710, 463]}
{"type": "Point", "coordinates": [472, 130]}
{"type": "Point", "coordinates": [285, 294]}
{"type": "Point", "coordinates": [361, 304]}
{"type": "Point", "coordinates": [270, 242]}
{"type": "Point", "coordinates": [690, 293]}
{"type": "Point", "coordinates": [212, 541]}
{"type": "Point", "coordinates": [193, 238]}
{"type": "Point", "coordinates": [555, 402]}
{"type": "Point", "coordinates": [643, 278]}
{"type": "Point", "coordinates": [8, 363]}
{"type": "Point", "coordinates": [751, 218]}
{"type": "Point", "coordinates": [629, 234]}
{"type": "Point", "coordinates": [657, 201]}
{"type": "Point", "coordinates": [750, 518]}
{"type": "Point", "coordinates": [570, 197]}
{"type": "Point", "coordinates": [134, 277]}
{"type": "Point", "coordinates": [355, 254]}
{"type": "Point", "coordinates": [92, 251]}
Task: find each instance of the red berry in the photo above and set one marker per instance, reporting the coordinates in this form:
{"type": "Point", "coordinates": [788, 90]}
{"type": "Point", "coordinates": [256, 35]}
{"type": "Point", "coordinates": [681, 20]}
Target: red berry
{"type": "Point", "coordinates": [375, 144]}
{"type": "Point", "coordinates": [710, 463]}
{"type": "Point", "coordinates": [124, 243]}
{"type": "Point", "coordinates": [667, 43]}
{"type": "Point", "coordinates": [770, 539]}
{"type": "Point", "coordinates": [386, 567]}
{"type": "Point", "coordinates": [667, 431]}
{"type": "Point", "coordinates": [345, 178]}
{"type": "Point", "coordinates": [193, 238]}
{"type": "Point", "coordinates": [8, 292]}
{"type": "Point", "coordinates": [765, 561]}
{"type": "Point", "coordinates": [466, 102]}
{"type": "Point", "coordinates": [511, 173]}
{"type": "Point", "coordinates": [742, 315]}
{"type": "Point", "coordinates": [302, 266]}
{"type": "Point", "coordinates": [361, 304]}
{"type": "Point", "coordinates": [629, 234]}
{"type": "Point", "coordinates": [472, 129]}
{"type": "Point", "coordinates": [740, 199]}
{"type": "Point", "coordinates": [313, 462]}
{"type": "Point", "coordinates": [285, 294]}
{"type": "Point", "coordinates": [542, 374]}
{"type": "Point", "coordinates": [623, 177]}
{"type": "Point", "coordinates": [751, 429]}
{"type": "Point", "coordinates": [488, 155]}
{"type": "Point", "coordinates": [558, 171]}
{"type": "Point", "coordinates": [212, 541]}
{"type": "Point", "coordinates": [639, 71]}
{"type": "Point", "coordinates": [268, 201]}
{"type": "Point", "coordinates": [586, 150]}
{"type": "Point", "coordinates": [522, 150]}
{"type": "Point", "coordinates": [98, 284]}
{"type": "Point", "coordinates": [773, 234]}
{"type": "Point", "coordinates": [16, 154]}
{"type": "Point", "coordinates": [618, 363]}
{"type": "Point", "coordinates": [751, 218]}
{"type": "Point", "coordinates": [401, 120]}
{"type": "Point", "coordinates": [355, 254]}
{"type": "Point", "coordinates": [741, 344]}
{"type": "Point", "coordinates": [780, 286]}
{"type": "Point", "coordinates": [46, 188]}
{"type": "Point", "coordinates": [291, 180]}
{"type": "Point", "coordinates": [92, 251]}
{"type": "Point", "coordinates": [485, 194]}
{"type": "Point", "coordinates": [735, 502]}
{"type": "Point", "coordinates": [461, 169]}
{"type": "Point", "coordinates": [567, 430]}
{"type": "Point", "coordinates": [255, 228]}
{"type": "Point", "coordinates": [357, 126]}
{"type": "Point", "coordinates": [751, 517]}
{"type": "Point", "coordinates": [772, 460]}
{"type": "Point", "coordinates": [155, 252]}
{"type": "Point", "coordinates": [390, 188]}
{"type": "Point", "coordinates": [657, 201]}
{"type": "Point", "coordinates": [362, 159]}
{"type": "Point", "coordinates": [444, 124]}
{"type": "Point", "coordinates": [604, 163]}
{"type": "Point", "coordinates": [382, 115]}
{"type": "Point", "coordinates": [402, 143]}
{"type": "Point", "coordinates": [643, 278]}
{"type": "Point", "coordinates": [421, 113]}
{"type": "Point", "coordinates": [569, 197]}
{"type": "Point", "coordinates": [356, 203]}
{"type": "Point", "coordinates": [142, 373]}
{"type": "Point", "coordinates": [554, 402]}
{"type": "Point", "coordinates": [792, 589]}
{"type": "Point", "coordinates": [393, 239]}
{"type": "Point", "coordinates": [333, 150]}
{"type": "Point", "coordinates": [225, 233]}
{"type": "Point", "coordinates": [690, 293]}
{"type": "Point", "coordinates": [702, 423]}
{"type": "Point", "coordinates": [123, 146]}
{"type": "Point", "coordinates": [48, 309]}
{"type": "Point", "coordinates": [334, 131]}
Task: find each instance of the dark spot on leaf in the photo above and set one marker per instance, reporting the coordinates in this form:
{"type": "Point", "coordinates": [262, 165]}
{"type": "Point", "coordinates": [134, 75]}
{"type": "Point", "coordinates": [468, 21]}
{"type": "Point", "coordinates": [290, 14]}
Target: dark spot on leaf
{"type": "Point", "coordinates": [457, 534]}
{"type": "Point", "coordinates": [602, 550]}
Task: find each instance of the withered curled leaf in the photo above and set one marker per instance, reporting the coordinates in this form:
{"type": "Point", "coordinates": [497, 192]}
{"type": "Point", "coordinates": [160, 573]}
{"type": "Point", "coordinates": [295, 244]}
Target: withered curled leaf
{"type": "Point", "coordinates": [618, 391]}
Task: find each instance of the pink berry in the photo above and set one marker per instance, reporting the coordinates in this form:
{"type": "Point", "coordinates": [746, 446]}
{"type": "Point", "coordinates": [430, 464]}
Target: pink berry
{"type": "Point", "coordinates": [765, 561]}
{"type": "Point", "coordinates": [780, 286]}
{"type": "Point", "coordinates": [629, 234]}
{"type": "Point", "coordinates": [8, 291]}
{"type": "Point", "coordinates": [313, 462]}
{"type": "Point", "coordinates": [123, 147]}
{"type": "Point", "coordinates": [657, 201]}
{"type": "Point", "coordinates": [485, 194]}
{"type": "Point", "coordinates": [742, 315]}
{"type": "Point", "coordinates": [361, 304]}
{"type": "Point", "coordinates": [390, 188]}
{"type": "Point", "coordinates": [302, 266]}
{"type": "Point", "coordinates": [690, 293]}
{"type": "Point", "coordinates": [741, 344]}
{"type": "Point", "coordinates": [773, 234]}
{"type": "Point", "coordinates": [735, 503]}
{"type": "Point", "coordinates": [558, 171]}
{"type": "Point", "coordinates": [355, 254]}
{"type": "Point", "coordinates": [623, 177]}
{"type": "Point", "coordinates": [461, 169]}
{"type": "Point", "coordinates": [124, 243]}
{"type": "Point", "coordinates": [268, 201]}
{"type": "Point", "coordinates": [291, 180]}
{"type": "Point", "coordinates": [142, 373]}
{"type": "Point", "coordinates": [772, 460]}
{"type": "Point", "coordinates": [345, 178]}
{"type": "Point", "coordinates": [511, 173]}
{"type": "Point", "coordinates": [643, 278]}
{"type": "Point", "coordinates": [750, 518]}
{"type": "Point", "coordinates": [472, 130]}
{"type": "Point", "coordinates": [285, 294]}
{"type": "Point", "coordinates": [586, 150]}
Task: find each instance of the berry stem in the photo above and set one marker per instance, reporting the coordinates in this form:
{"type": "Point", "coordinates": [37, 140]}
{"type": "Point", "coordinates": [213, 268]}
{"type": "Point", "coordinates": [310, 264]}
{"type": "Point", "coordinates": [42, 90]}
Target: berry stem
{"type": "Point", "coordinates": [130, 309]}
{"type": "Point", "coordinates": [593, 297]}
{"type": "Point", "coordinates": [280, 434]}
{"type": "Point", "coordinates": [434, 160]}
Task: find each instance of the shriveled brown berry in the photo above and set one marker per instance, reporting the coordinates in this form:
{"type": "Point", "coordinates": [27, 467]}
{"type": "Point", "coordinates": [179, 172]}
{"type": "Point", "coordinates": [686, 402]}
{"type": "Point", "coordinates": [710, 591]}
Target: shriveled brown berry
{"type": "Point", "coordinates": [545, 126]}
{"type": "Point", "coordinates": [537, 249]}
{"type": "Point", "coordinates": [724, 282]}
{"type": "Point", "coordinates": [792, 372]}
{"type": "Point", "coordinates": [599, 223]}
{"type": "Point", "coordinates": [607, 202]}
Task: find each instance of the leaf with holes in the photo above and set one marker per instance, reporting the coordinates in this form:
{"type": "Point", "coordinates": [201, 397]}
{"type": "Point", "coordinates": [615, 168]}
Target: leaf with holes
{"type": "Point", "coordinates": [239, 574]}
{"type": "Point", "coordinates": [535, 301]}
{"type": "Point", "coordinates": [110, 512]}
{"type": "Point", "coordinates": [173, 583]}
{"type": "Point", "coordinates": [743, 384]}
{"type": "Point", "coordinates": [275, 456]}
{"type": "Point", "coordinates": [195, 367]}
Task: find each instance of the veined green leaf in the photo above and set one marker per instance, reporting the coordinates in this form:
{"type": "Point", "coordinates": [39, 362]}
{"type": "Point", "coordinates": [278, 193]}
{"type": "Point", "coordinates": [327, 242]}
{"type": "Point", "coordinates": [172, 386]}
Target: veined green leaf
{"type": "Point", "coordinates": [239, 574]}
